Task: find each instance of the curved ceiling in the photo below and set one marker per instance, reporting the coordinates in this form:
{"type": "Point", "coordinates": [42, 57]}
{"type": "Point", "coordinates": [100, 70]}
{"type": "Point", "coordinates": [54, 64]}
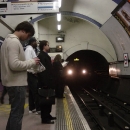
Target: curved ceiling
{"type": "Point", "coordinates": [79, 34]}
{"type": "Point", "coordinates": [99, 10]}
{"type": "Point", "coordinates": [96, 11]}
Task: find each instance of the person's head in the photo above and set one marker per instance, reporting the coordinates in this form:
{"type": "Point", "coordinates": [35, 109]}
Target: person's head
{"type": "Point", "coordinates": [57, 58]}
{"type": "Point", "coordinates": [62, 60]}
{"type": "Point", "coordinates": [44, 45]}
{"type": "Point", "coordinates": [24, 30]}
{"type": "Point", "coordinates": [33, 42]}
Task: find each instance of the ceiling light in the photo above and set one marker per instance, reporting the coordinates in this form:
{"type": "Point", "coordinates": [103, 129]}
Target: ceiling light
{"type": "Point", "coordinates": [59, 27]}
{"type": "Point", "coordinates": [59, 17]}
{"type": "Point", "coordinates": [59, 3]}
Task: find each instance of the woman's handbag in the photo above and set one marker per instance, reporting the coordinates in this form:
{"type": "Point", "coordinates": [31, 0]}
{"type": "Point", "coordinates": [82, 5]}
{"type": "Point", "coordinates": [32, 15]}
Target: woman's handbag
{"type": "Point", "coordinates": [47, 96]}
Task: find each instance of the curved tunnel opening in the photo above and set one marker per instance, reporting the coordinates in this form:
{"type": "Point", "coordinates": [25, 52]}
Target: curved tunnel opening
{"type": "Point", "coordinates": [94, 60]}
{"type": "Point", "coordinates": [95, 65]}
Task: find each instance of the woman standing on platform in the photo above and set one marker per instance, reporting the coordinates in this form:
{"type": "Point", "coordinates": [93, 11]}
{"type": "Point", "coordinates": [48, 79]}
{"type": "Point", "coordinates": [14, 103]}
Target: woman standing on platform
{"type": "Point", "coordinates": [58, 76]}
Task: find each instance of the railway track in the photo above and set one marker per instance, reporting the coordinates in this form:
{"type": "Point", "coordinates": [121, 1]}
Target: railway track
{"type": "Point", "coordinates": [102, 111]}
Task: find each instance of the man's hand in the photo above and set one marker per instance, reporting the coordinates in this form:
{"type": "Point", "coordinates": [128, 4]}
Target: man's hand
{"type": "Point", "coordinates": [37, 60]}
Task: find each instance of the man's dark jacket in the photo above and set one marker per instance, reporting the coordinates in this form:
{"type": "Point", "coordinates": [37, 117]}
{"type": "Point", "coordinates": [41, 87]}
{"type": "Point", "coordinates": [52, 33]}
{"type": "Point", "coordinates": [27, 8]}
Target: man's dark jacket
{"type": "Point", "coordinates": [45, 77]}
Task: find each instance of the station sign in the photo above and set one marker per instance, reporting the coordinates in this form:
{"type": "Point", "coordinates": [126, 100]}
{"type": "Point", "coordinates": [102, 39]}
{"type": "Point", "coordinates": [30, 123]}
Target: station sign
{"type": "Point", "coordinates": [126, 60]}
{"type": "Point", "coordinates": [28, 7]}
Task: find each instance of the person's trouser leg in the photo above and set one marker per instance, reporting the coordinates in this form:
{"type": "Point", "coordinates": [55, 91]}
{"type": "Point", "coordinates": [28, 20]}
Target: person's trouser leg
{"type": "Point", "coordinates": [45, 112]}
{"type": "Point", "coordinates": [17, 97]}
{"type": "Point", "coordinates": [31, 100]}
{"type": "Point", "coordinates": [33, 92]}
{"type": "Point", "coordinates": [61, 94]}
{"type": "Point", "coordinates": [3, 94]}
{"type": "Point", "coordinates": [61, 87]}
{"type": "Point", "coordinates": [56, 90]}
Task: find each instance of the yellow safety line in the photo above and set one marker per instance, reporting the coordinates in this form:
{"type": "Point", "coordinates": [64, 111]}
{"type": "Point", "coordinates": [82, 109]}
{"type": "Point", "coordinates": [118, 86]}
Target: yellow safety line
{"type": "Point", "coordinates": [26, 105]}
{"type": "Point", "coordinates": [6, 108]}
{"type": "Point", "coordinates": [67, 115]}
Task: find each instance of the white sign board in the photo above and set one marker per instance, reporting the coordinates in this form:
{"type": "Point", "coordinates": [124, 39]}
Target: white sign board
{"type": "Point", "coordinates": [27, 7]}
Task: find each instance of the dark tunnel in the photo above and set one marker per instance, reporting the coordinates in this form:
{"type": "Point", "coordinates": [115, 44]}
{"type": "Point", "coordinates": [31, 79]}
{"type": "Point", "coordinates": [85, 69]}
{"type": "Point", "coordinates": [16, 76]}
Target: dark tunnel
{"type": "Point", "coordinates": [94, 60]}
{"type": "Point", "coordinates": [97, 76]}
{"type": "Point", "coordinates": [94, 63]}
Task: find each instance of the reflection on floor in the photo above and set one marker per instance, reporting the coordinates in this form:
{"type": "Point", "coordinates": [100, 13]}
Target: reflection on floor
{"type": "Point", "coordinates": [30, 121]}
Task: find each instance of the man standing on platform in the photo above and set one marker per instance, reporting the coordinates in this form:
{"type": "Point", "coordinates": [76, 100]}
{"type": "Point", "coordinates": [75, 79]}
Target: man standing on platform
{"type": "Point", "coordinates": [32, 78]}
{"type": "Point", "coordinates": [14, 72]}
{"type": "Point", "coordinates": [45, 81]}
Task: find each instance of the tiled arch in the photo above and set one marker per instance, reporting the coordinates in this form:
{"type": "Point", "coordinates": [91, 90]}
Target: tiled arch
{"type": "Point", "coordinates": [67, 13]}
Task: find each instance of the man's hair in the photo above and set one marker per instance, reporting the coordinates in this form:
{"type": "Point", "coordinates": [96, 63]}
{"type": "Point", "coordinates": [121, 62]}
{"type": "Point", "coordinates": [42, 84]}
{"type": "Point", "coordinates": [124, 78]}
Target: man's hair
{"type": "Point", "coordinates": [31, 40]}
{"type": "Point", "coordinates": [25, 26]}
{"type": "Point", "coordinates": [42, 44]}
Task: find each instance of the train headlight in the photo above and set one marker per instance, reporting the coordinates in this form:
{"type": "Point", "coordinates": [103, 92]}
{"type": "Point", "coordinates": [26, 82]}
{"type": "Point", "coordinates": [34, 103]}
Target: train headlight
{"type": "Point", "coordinates": [84, 71]}
{"type": "Point", "coordinates": [69, 72]}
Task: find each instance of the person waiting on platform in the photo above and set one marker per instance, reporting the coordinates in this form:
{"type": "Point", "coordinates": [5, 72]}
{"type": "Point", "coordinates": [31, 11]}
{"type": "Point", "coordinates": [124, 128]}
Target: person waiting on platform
{"type": "Point", "coordinates": [14, 71]}
{"type": "Point", "coordinates": [4, 91]}
{"type": "Point", "coordinates": [32, 78]}
{"type": "Point", "coordinates": [45, 81]}
{"type": "Point", "coordinates": [58, 76]}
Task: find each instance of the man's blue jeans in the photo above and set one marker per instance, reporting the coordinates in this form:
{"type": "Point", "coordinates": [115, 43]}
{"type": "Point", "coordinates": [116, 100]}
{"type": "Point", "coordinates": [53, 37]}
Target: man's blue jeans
{"type": "Point", "coordinates": [17, 98]}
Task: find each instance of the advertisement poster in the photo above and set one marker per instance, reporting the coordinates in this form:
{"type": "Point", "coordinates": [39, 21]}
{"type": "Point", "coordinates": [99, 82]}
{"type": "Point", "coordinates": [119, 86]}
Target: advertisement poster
{"type": "Point", "coordinates": [123, 16]}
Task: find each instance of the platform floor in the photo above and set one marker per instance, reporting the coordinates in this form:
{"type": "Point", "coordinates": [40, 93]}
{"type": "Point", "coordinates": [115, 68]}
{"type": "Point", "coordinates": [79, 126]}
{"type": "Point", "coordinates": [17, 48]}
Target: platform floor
{"type": "Point", "coordinates": [69, 116]}
{"type": "Point", "coordinates": [30, 121]}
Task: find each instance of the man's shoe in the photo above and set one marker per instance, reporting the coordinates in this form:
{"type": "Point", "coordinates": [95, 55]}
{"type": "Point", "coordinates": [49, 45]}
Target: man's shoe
{"type": "Point", "coordinates": [48, 122]}
{"type": "Point", "coordinates": [53, 118]}
{"type": "Point", "coordinates": [38, 112]}
{"type": "Point", "coordinates": [32, 111]}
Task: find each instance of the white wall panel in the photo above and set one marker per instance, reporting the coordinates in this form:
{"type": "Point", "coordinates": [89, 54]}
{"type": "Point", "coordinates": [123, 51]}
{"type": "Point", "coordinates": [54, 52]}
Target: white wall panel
{"type": "Point", "coordinates": [117, 35]}
{"type": "Point", "coordinates": [118, 69]}
{"type": "Point", "coordinates": [106, 54]}
{"type": "Point", "coordinates": [4, 31]}
{"type": "Point", "coordinates": [35, 25]}
{"type": "Point", "coordinates": [99, 10]}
